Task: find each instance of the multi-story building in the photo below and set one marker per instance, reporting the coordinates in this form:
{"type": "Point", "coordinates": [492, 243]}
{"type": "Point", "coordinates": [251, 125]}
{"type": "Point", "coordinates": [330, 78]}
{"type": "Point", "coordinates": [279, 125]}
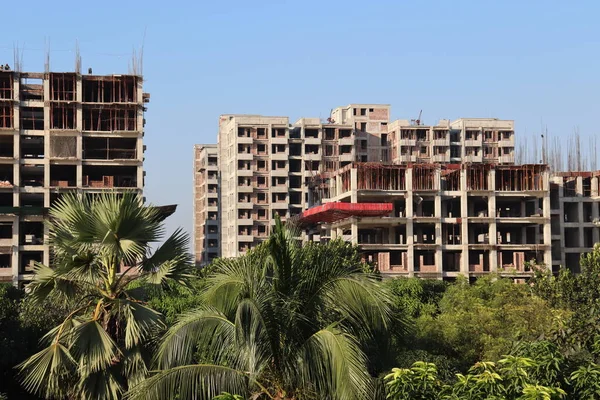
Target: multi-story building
{"type": "Point", "coordinates": [61, 132]}
{"type": "Point", "coordinates": [453, 200]}
{"type": "Point", "coordinates": [575, 213]}
{"type": "Point", "coordinates": [264, 163]}
{"type": "Point", "coordinates": [468, 140]}
{"type": "Point", "coordinates": [206, 201]}
{"type": "Point", "coordinates": [437, 220]}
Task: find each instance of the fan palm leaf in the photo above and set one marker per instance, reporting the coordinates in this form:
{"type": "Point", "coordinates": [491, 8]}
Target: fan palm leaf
{"type": "Point", "coordinates": [98, 351]}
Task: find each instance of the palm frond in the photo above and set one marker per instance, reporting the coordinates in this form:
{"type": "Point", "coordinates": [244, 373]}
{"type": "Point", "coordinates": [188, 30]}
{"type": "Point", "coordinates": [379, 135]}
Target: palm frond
{"type": "Point", "coordinates": [252, 339]}
{"type": "Point", "coordinates": [92, 346]}
{"type": "Point", "coordinates": [229, 281]}
{"type": "Point", "coordinates": [44, 373]}
{"type": "Point", "coordinates": [140, 321]}
{"type": "Point", "coordinates": [101, 385]}
{"type": "Point", "coordinates": [47, 282]}
{"type": "Point", "coordinates": [201, 382]}
{"type": "Point", "coordinates": [171, 261]}
{"type": "Point", "coordinates": [333, 363]}
{"type": "Point", "coordinates": [134, 367]}
{"type": "Point", "coordinates": [204, 328]}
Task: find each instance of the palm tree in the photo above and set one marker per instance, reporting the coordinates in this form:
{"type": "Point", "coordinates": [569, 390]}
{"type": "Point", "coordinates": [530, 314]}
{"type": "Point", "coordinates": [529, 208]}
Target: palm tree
{"type": "Point", "coordinates": [282, 322]}
{"type": "Point", "coordinates": [98, 351]}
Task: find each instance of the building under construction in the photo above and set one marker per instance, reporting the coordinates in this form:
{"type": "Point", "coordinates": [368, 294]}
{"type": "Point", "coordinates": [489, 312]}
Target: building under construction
{"type": "Point", "coordinates": [61, 132]}
{"type": "Point", "coordinates": [437, 220]}
{"type": "Point", "coordinates": [427, 200]}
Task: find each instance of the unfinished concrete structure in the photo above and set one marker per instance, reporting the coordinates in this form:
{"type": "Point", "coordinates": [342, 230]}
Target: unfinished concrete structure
{"type": "Point", "coordinates": [471, 140]}
{"type": "Point", "coordinates": [437, 220]}
{"type": "Point", "coordinates": [264, 163]}
{"type": "Point", "coordinates": [459, 204]}
{"type": "Point", "coordinates": [61, 132]}
{"type": "Point", "coordinates": [575, 213]}
{"type": "Point", "coordinates": [206, 203]}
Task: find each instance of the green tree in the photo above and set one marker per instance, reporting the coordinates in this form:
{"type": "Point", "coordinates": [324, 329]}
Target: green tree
{"type": "Point", "coordinates": [586, 382]}
{"type": "Point", "coordinates": [509, 379]}
{"type": "Point", "coordinates": [418, 382]}
{"type": "Point", "coordinates": [580, 295]}
{"type": "Point", "coordinates": [283, 322]}
{"type": "Point", "coordinates": [98, 350]}
{"type": "Point", "coordinates": [483, 320]}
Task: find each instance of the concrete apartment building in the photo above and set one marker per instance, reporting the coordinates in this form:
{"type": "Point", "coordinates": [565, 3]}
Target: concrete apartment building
{"type": "Point", "coordinates": [265, 163]}
{"type": "Point", "coordinates": [61, 132]}
{"type": "Point", "coordinates": [437, 220]}
{"type": "Point", "coordinates": [206, 204]}
{"type": "Point", "coordinates": [575, 216]}
{"type": "Point", "coordinates": [419, 200]}
{"type": "Point", "coordinates": [466, 140]}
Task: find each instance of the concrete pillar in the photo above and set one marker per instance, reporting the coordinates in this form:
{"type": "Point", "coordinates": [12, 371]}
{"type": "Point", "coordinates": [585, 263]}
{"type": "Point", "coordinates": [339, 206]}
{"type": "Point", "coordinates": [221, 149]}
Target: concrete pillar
{"type": "Point", "coordinates": [410, 261]}
{"type": "Point", "coordinates": [353, 185]}
{"type": "Point", "coordinates": [595, 216]}
{"type": "Point", "coordinates": [15, 250]}
{"type": "Point", "coordinates": [493, 231]}
{"type": "Point", "coordinates": [464, 226]}
{"type": "Point", "coordinates": [547, 239]}
{"type": "Point", "coordinates": [354, 229]}
{"type": "Point", "coordinates": [580, 216]}
{"type": "Point", "coordinates": [579, 186]}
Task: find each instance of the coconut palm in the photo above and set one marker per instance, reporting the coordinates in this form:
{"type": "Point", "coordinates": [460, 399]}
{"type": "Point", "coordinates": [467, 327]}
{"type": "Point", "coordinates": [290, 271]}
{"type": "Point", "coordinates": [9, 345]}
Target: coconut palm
{"type": "Point", "coordinates": [98, 351]}
{"type": "Point", "coordinates": [282, 322]}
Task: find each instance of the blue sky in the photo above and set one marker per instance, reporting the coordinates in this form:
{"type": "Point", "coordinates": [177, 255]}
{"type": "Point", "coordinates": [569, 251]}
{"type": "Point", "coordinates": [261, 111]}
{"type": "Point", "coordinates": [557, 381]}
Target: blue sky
{"type": "Point", "coordinates": [536, 62]}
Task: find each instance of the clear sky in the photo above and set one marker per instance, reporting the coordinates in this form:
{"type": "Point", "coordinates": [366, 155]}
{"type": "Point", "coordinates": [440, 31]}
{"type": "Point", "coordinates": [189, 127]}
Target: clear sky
{"type": "Point", "coordinates": [536, 62]}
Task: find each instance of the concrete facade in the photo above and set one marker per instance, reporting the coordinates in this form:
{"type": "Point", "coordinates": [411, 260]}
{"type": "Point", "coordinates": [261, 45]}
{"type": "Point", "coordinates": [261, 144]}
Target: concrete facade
{"type": "Point", "coordinates": [265, 162]}
{"type": "Point", "coordinates": [575, 213]}
{"type": "Point", "coordinates": [62, 132]}
{"type": "Point", "coordinates": [206, 203]}
{"type": "Point", "coordinates": [472, 140]}
{"type": "Point", "coordinates": [463, 206]}
{"type": "Point", "coordinates": [470, 219]}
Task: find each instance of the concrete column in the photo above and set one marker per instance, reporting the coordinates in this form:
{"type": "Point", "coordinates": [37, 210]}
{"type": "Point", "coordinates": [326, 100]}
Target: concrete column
{"type": "Point", "coordinates": [353, 185]}
{"type": "Point", "coordinates": [547, 239]}
{"type": "Point", "coordinates": [354, 228]}
{"type": "Point", "coordinates": [595, 216]}
{"type": "Point", "coordinates": [437, 212]}
{"type": "Point", "coordinates": [464, 226]}
{"type": "Point", "coordinates": [580, 216]}
{"type": "Point", "coordinates": [579, 186]}
{"type": "Point", "coordinates": [15, 250]}
{"type": "Point", "coordinates": [493, 231]}
{"type": "Point", "coordinates": [595, 186]}
{"type": "Point", "coordinates": [410, 261]}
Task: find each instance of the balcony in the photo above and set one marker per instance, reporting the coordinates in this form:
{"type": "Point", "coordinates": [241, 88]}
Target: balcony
{"type": "Point", "coordinates": [279, 172]}
{"type": "Point", "coordinates": [473, 158]}
{"type": "Point", "coordinates": [245, 156]}
{"type": "Point", "coordinates": [347, 141]}
{"type": "Point", "coordinates": [474, 142]}
{"type": "Point", "coordinates": [441, 158]}
{"type": "Point", "coordinates": [244, 140]}
{"type": "Point", "coordinates": [407, 142]}
{"type": "Point", "coordinates": [441, 142]}
{"type": "Point", "coordinates": [280, 156]}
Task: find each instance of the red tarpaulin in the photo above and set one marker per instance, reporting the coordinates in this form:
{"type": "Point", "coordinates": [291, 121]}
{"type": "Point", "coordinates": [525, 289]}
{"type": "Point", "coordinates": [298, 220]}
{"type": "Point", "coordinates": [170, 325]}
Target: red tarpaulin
{"type": "Point", "coordinates": [335, 211]}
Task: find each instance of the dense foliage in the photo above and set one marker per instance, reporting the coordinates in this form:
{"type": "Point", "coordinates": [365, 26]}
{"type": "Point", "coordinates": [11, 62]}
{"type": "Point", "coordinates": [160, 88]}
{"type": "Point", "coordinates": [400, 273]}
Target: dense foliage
{"type": "Point", "coordinates": [286, 322]}
{"type": "Point", "coordinates": [283, 322]}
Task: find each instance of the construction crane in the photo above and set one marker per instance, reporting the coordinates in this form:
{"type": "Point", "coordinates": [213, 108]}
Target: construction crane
{"type": "Point", "coordinates": [418, 120]}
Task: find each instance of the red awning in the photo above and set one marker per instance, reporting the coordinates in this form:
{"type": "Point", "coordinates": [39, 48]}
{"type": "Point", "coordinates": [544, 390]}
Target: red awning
{"type": "Point", "coordinates": [335, 211]}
